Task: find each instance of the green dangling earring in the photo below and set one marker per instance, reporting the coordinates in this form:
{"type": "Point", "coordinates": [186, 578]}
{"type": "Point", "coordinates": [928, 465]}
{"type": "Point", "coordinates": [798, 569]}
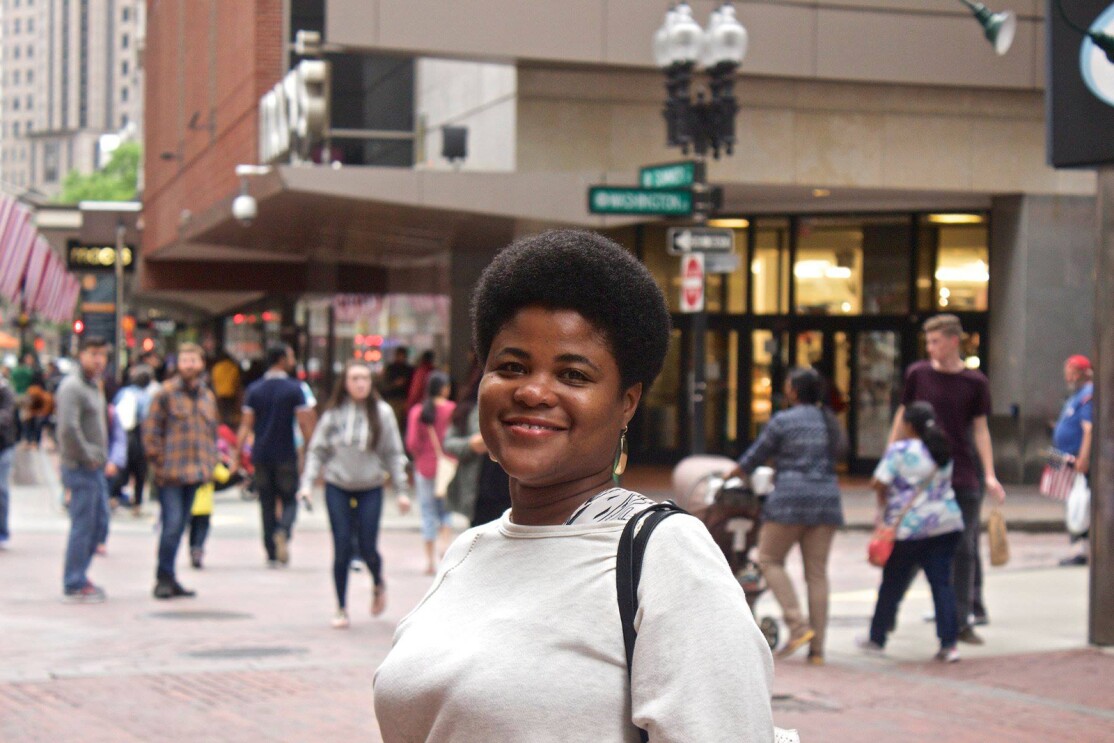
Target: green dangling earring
{"type": "Point", "coordinates": [620, 465]}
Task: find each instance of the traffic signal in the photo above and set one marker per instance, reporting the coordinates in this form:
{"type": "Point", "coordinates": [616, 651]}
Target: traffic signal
{"type": "Point", "coordinates": [78, 326]}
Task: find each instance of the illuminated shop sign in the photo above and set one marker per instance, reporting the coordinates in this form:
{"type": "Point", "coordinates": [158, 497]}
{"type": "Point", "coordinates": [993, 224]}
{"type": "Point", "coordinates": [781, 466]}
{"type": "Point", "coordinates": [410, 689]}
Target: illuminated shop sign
{"type": "Point", "coordinates": [81, 257]}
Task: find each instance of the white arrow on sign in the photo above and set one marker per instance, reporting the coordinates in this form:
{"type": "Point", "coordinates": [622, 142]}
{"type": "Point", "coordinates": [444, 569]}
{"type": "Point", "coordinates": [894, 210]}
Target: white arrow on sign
{"type": "Point", "coordinates": [685, 240]}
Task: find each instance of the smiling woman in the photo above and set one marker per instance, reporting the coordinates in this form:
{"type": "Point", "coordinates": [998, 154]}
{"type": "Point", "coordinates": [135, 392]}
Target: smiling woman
{"type": "Point", "coordinates": [520, 638]}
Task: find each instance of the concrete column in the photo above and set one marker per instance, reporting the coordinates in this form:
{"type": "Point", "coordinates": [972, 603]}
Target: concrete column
{"type": "Point", "coordinates": [1101, 620]}
{"type": "Point", "coordinates": [472, 251]}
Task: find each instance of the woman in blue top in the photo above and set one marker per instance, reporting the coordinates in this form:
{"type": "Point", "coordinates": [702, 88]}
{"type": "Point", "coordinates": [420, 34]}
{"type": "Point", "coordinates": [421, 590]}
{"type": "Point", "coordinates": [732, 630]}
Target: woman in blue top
{"type": "Point", "coordinates": [914, 484]}
{"type": "Point", "coordinates": [804, 508]}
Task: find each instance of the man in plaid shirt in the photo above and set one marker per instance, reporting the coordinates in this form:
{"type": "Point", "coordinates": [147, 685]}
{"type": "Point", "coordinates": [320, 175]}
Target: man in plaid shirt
{"type": "Point", "coordinates": [180, 438]}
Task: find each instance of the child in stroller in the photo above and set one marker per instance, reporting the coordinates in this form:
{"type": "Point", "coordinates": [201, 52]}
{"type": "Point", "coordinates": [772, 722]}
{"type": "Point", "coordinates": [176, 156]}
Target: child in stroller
{"type": "Point", "coordinates": [732, 511]}
{"type": "Point", "coordinates": [245, 475]}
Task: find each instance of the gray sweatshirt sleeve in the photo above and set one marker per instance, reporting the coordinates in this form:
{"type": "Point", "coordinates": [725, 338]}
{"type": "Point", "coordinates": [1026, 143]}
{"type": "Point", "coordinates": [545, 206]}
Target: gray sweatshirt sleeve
{"type": "Point", "coordinates": [456, 443]}
{"type": "Point", "coordinates": [317, 452]}
{"type": "Point", "coordinates": [390, 450]}
{"type": "Point", "coordinates": [73, 439]}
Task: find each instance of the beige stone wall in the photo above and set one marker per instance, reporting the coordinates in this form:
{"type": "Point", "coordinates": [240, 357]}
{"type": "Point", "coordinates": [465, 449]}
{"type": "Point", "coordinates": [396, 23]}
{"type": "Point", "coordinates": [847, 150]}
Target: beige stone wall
{"type": "Point", "coordinates": [801, 133]}
{"type": "Point", "coordinates": [479, 96]}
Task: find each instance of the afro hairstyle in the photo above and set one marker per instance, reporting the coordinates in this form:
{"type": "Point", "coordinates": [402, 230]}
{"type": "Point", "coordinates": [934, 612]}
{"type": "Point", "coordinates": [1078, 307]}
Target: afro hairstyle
{"type": "Point", "coordinates": [589, 274]}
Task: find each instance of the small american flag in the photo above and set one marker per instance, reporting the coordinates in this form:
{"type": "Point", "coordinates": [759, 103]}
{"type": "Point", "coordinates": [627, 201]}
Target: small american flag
{"type": "Point", "coordinates": [1057, 477]}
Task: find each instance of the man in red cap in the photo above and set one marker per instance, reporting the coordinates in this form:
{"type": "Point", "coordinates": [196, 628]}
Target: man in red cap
{"type": "Point", "coordinates": [1072, 434]}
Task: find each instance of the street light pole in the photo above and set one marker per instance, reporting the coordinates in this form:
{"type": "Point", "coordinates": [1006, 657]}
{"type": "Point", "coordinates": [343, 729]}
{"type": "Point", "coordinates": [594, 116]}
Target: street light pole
{"type": "Point", "coordinates": [700, 125]}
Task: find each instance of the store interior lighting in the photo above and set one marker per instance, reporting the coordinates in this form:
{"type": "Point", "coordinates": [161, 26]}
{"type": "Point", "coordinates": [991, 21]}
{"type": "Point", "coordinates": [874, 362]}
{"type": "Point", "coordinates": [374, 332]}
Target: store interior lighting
{"type": "Point", "coordinates": [731, 224]}
{"type": "Point", "coordinates": [956, 218]}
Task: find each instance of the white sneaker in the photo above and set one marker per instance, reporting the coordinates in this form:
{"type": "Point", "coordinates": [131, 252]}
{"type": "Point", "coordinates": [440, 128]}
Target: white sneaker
{"type": "Point", "coordinates": [947, 655]}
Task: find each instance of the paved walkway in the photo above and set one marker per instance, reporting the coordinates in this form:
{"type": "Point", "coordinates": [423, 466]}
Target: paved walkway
{"type": "Point", "coordinates": [253, 657]}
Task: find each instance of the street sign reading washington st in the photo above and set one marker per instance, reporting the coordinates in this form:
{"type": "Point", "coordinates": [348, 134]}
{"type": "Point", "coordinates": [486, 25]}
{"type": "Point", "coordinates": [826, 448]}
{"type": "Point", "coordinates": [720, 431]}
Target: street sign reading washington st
{"type": "Point", "coordinates": [684, 240]}
{"type": "Point", "coordinates": [612, 200]}
{"type": "Point", "coordinates": [671, 175]}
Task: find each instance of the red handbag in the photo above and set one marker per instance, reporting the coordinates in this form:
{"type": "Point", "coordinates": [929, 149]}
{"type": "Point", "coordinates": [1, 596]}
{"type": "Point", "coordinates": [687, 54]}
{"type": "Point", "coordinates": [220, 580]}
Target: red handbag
{"type": "Point", "coordinates": [881, 545]}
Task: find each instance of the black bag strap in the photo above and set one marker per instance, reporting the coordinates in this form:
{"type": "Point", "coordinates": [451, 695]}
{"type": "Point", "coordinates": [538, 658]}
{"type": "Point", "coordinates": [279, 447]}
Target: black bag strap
{"type": "Point", "coordinates": [628, 571]}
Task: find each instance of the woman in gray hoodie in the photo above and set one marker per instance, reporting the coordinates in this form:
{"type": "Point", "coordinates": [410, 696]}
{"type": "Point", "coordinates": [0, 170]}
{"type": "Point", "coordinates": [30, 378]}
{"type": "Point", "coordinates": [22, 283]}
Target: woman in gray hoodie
{"type": "Point", "coordinates": [354, 448]}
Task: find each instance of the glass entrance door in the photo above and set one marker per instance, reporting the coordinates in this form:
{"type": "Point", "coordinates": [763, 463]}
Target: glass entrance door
{"type": "Point", "coordinates": [877, 371]}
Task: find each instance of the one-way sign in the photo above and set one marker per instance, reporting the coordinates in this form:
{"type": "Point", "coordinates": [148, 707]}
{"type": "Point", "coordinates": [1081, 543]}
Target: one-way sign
{"type": "Point", "coordinates": [685, 240]}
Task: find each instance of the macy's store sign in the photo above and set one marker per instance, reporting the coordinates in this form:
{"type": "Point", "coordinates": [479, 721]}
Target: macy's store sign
{"type": "Point", "coordinates": [294, 115]}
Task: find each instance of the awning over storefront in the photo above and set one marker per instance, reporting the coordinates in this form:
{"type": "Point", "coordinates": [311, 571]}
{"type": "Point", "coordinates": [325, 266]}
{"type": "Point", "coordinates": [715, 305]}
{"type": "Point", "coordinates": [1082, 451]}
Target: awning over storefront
{"type": "Point", "coordinates": [31, 273]}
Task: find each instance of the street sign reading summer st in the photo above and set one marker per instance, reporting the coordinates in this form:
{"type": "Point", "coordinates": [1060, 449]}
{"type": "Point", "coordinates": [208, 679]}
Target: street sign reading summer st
{"type": "Point", "coordinates": [670, 175]}
{"type": "Point", "coordinates": [683, 240]}
{"type": "Point", "coordinates": [618, 200]}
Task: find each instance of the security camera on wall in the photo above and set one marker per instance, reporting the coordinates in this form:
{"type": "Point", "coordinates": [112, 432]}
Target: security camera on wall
{"type": "Point", "coordinates": [245, 209]}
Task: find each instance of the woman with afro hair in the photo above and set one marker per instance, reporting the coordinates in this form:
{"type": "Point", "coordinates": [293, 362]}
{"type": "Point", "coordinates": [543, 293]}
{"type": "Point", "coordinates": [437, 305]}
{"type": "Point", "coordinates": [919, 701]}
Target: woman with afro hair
{"type": "Point", "coordinates": [519, 637]}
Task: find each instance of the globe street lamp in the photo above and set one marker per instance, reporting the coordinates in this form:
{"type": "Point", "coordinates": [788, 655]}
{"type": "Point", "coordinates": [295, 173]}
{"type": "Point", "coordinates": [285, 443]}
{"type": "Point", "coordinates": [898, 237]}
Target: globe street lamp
{"type": "Point", "coordinates": [680, 46]}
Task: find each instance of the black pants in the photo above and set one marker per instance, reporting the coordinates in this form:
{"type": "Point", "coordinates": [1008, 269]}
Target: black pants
{"type": "Point", "coordinates": [199, 531]}
{"type": "Point", "coordinates": [934, 555]}
{"type": "Point", "coordinates": [277, 483]}
{"type": "Point", "coordinates": [136, 467]}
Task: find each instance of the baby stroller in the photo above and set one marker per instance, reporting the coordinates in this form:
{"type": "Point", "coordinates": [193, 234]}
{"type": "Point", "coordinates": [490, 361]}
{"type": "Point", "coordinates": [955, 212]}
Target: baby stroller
{"type": "Point", "coordinates": [732, 511]}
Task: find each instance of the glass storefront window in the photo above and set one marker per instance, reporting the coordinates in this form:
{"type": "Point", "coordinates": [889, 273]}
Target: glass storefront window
{"type": "Point", "coordinates": [661, 405]}
{"type": "Point", "coordinates": [962, 269]}
{"type": "Point", "coordinates": [953, 259]}
{"type": "Point", "coordinates": [852, 266]}
{"type": "Point", "coordinates": [769, 270]}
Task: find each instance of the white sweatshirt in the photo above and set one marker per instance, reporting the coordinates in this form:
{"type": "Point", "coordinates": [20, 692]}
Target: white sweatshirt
{"type": "Point", "coordinates": [519, 639]}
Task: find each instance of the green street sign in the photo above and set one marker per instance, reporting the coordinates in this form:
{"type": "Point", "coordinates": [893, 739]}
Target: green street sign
{"type": "Point", "coordinates": [671, 175]}
{"type": "Point", "coordinates": [666, 202]}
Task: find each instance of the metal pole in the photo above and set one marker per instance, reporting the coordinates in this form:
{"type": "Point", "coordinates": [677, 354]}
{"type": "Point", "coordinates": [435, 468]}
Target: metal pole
{"type": "Point", "coordinates": [697, 439]}
{"type": "Point", "coordinates": [1101, 610]}
{"type": "Point", "coordinates": [121, 232]}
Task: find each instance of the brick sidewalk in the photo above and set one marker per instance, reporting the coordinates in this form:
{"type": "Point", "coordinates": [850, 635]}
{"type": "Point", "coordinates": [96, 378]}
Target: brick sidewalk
{"type": "Point", "coordinates": [253, 657]}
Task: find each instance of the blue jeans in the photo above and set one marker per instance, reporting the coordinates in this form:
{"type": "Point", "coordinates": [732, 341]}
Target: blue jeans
{"type": "Point", "coordinates": [435, 514]}
{"type": "Point", "coordinates": [88, 521]}
{"type": "Point", "coordinates": [5, 494]}
{"type": "Point", "coordinates": [354, 512]}
{"type": "Point", "coordinates": [175, 502]}
{"type": "Point", "coordinates": [935, 556]}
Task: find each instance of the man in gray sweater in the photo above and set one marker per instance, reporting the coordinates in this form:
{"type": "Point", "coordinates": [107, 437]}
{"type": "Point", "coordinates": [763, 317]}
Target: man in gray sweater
{"type": "Point", "coordinates": [83, 450]}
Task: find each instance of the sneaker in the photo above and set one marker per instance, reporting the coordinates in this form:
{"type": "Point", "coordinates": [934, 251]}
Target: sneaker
{"type": "Point", "coordinates": [378, 600]}
{"type": "Point", "coordinates": [929, 616]}
{"type": "Point", "coordinates": [102, 550]}
{"type": "Point", "coordinates": [969, 636]}
{"type": "Point", "coordinates": [947, 655]}
{"type": "Point", "coordinates": [87, 594]}
{"type": "Point", "coordinates": [195, 558]}
{"type": "Point", "coordinates": [178, 591]}
{"type": "Point", "coordinates": [796, 643]}
{"type": "Point", "coordinates": [340, 619]}
{"type": "Point", "coordinates": [978, 619]}
{"type": "Point", "coordinates": [282, 548]}
{"type": "Point", "coordinates": [164, 589]}
{"type": "Point", "coordinates": [1068, 562]}
{"type": "Point", "coordinates": [815, 659]}
{"type": "Point", "coordinates": [3, 544]}
{"type": "Point", "coordinates": [272, 564]}
{"type": "Point", "coordinates": [356, 565]}
{"type": "Point", "coordinates": [868, 646]}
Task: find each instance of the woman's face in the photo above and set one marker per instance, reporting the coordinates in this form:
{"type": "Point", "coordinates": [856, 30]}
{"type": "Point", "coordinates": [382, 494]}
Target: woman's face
{"type": "Point", "coordinates": [551, 407]}
{"type": "Point", "coordinates": [357, 383]}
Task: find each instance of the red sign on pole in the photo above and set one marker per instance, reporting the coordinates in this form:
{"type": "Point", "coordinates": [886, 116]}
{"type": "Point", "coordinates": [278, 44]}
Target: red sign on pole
{"type": "Point", "coordinates": [692, 283]}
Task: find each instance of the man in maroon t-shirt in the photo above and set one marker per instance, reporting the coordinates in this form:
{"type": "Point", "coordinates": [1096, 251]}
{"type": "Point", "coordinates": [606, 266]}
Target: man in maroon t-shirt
{"type": "Point", "coordinates": [961, 398]}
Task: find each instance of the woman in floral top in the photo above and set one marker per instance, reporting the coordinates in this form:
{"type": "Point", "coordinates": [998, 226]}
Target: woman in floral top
{"type": "Point", "coordinates": [914, 484]}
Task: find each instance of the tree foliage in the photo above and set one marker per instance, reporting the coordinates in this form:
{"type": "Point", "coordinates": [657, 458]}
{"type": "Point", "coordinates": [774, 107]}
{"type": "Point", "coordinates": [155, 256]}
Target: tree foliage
{"type": "Point", "coordinates": [116, 181]}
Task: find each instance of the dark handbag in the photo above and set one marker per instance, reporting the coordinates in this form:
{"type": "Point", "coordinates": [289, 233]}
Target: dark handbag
{"type": "Point", "coordinates": [628, 570]}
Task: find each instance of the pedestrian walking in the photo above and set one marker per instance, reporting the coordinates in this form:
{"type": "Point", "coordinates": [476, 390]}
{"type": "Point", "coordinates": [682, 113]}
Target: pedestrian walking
{"type": "Point", "coordinates": [1071, 437]}
{"type": "Point", "coordinates": [960, 398]}
{"type": "Point", "coordinates": [572, 330]}
{"type": "Point", "coordinates": [355, 447]}
{"type": "Point", "coordinates": [180, 438]}
{"type": "Point", "coordinates": [915, 497]}
{"type": "Point", "coordinates": [428, 419]}
{"type": "Point", "coordinates": [396, 383]}
{"type": "Point", "coordinates": [272, 405]}
{"type": "Point", "coordinates": [480, 490]}
{"type": "Point", "coordinates": [130, 407]}
{"type": "Point", "coordinates": [9, 435]}
{"type": "Point", "coordinates": [419, 380]}
{"type": "Point", "coordinates": [83, 451]}
{"type": "Point", "coordinates": [805, 441]}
